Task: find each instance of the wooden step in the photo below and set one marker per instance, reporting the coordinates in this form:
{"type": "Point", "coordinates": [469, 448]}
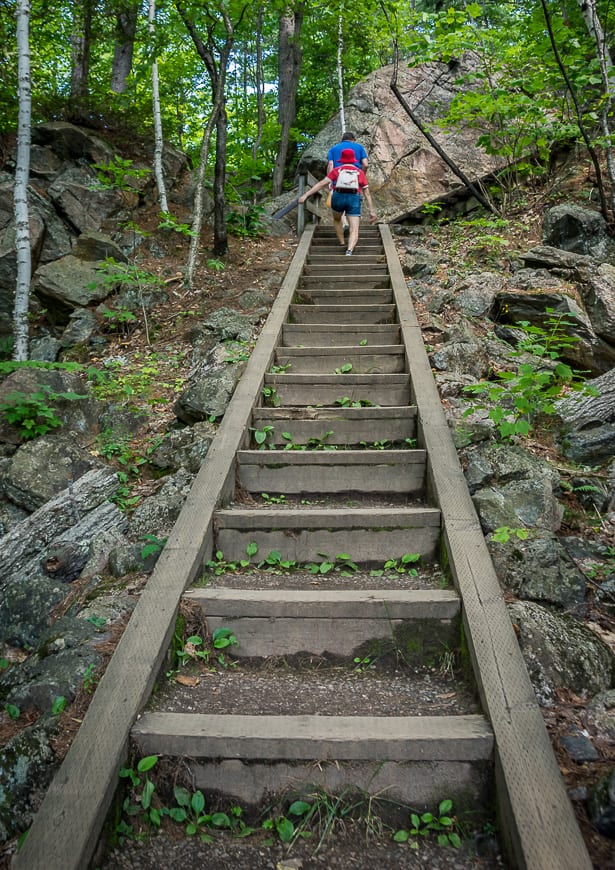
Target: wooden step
{"type": "Point", "coordinates": [348, 426]}
{"type": "Point", "coordinates": [414, 760]}
{"type": "Point", "coordinates": [369, 535]}
{"type": "Point", "coordinates": [416, 623]}
{"type": "Point", "coordinates": [387, 359]}
{"type": "Point", "coordinates": [330, 334]}
{"type": "Point", "coordinates": [345, 279]}
{"type": "Point", "coordinates": [332, 471]}
{"type": "Point", "coordinates": [346, 267]}
{"type": "Point", "coordinates": [345, 296]}
{"type": "Point", "coordinates": [323, 255]}
{"type": "Point", "coordinates": [342, 314]}
{"type": "Point", "coordinates": [316, 389]}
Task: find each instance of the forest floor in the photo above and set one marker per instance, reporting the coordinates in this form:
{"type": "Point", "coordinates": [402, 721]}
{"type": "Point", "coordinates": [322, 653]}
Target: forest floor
{"type": "Point", "coordinates": [164, 344]}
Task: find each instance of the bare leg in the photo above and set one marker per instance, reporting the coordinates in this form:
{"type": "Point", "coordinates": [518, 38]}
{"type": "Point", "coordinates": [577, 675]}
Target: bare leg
{"type": "Point", "coordinates": [353, 237]}
{"type": "Point", "coordinates": [337, 224]}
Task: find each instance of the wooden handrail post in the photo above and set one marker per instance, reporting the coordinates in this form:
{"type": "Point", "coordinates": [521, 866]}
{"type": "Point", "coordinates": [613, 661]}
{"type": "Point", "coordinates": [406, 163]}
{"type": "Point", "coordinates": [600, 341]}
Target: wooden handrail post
{"type": "Point", "coordinates": [301, 207]}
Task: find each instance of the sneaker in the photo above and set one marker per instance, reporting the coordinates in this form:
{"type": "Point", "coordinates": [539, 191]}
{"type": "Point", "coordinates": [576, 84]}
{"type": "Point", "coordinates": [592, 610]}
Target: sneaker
{"type": "Point", "coordinates": [349, 253]}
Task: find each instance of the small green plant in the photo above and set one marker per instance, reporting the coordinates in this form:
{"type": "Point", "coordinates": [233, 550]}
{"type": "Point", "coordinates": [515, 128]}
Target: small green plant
{"type": "Point", "coordinates": [168, 221]}
{"type": "Point", "coordinates": [279, 370]}
{"type": "Point", "coordinates": [261, 435]}
{"type": "Point", "coordinates": [153, 546]}
{"type": "Point", "coordinates": [362, 663]}
{"type": "Point", "coordinates": [273, 499]}
{"type": "Point", "coordinates": [344, 369]}
{"type": "Point", "coordinates": [275, 563]}
{"type": "Point", "coordinates": [119, 320]}
{"type": "Point", "coordinates": [97, 621]}
{"type": "Point", "coordinates": [238, 351]}
{"type": "Point", "coordinates": [432, 208]}
{"type": "Point", "coordinates": [190, 811]}
{"type": "Point", "coordinates": [90, 679]}
{"type": "Point", "coordinates": [219, 565]}
{"type": "Point", "coordinates": [520, 398]}
{"type": "Point", "coordinates": [313, 443]}
{"type": "Point", "coordinates": [33, 413]}
{"type": "Point", "coordinates": [58, 705]}
{"type": "Point", "coordinates": [118, 174]}
{"type": "Point", "coordinates": [347, 402]}
{"type": "Point", "coordinates": [363, 342]}
{"type": "Point", "coordinates": [341, 564]}
{"type": "Point", "coordinates": [216, 265]}
{"type": "Point", "coordinates": [376, 445]}
{"type": "Point", "coordinates": [140, 780]}
{"type": "Point", "coordinates": [4, 663]}
{"type": "Point", "coordinates": [403, 565]}
{"type": "Point", "coordinates": [503, 534]}
{"type": "Point", "coordinates": [270, 395]}
{"type": "Point", "coordinates": [442, 825]}
{"type": "Point", "coordinates": [12, 711]}
{"type": "Point", "coordinates": [246, 223]}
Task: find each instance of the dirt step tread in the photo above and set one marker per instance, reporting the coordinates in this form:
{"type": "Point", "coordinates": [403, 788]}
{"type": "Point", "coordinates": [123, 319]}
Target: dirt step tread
{"type": "Point", "coordinates": [410, 456]}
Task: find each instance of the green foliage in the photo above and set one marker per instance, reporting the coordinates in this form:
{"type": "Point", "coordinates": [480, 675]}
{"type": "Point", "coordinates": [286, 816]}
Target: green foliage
{"type": "Point", "coordinates": [261, 437]}
{"type": "Point", "coordinates": [140, 780]}
{"type": "Point", "coordinates": [347, 402]}
{"type": "Point", "coordinates": [247, 222]}
{"type": "Point", "coordinates": [58, 705]}
{"type": "Point", "coordinates": [153, 546]}
{"type": "Point", "coordinates": [341, 564]}
{"type": "Point", "coordinates": [33, 413]}
{"type": "Point", "coordinates": [90, 679]}
{"type": "Point", "coordinates": [12, 711]}
{"type": "Point", "coordinates": [170, 222]}
{"type": "Point", "coordinates": [522, 397]}
{"type": "Point", "coordinates": [404, 565]}
{"type": "Point", "coordinates": [118, 174]}
{"type": "Point", "coordinates": [442, 825]}
{"type": "Point", "coordinates": [270, 395]}
{"type": "Point", "coordinates": [238, 351]}
{"type": "Point", "coordinates": [503, 534]}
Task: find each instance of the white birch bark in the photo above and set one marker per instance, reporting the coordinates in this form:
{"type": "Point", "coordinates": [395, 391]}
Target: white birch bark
{"type": "Point", "coordinates": [197, 219]}
{"type": "Point", "coordinates": [595, 29]}
{"type": "Point", "coordinates": [340, 67]}
{"type": "Point", "coordinates": [22, 174]}
{"type": "Point", "coordinates": [158, 141]}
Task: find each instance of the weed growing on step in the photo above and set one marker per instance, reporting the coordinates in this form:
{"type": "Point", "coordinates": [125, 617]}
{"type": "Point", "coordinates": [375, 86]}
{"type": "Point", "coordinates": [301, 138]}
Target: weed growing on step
{"type": "Point", "coordinates": [190, 812]}
{"type": "Point", "coordinates": [219, 565]}
{"type": "Point", "coordinates": [279, 369]}
{"type": "Point", "coordinates": [344, 369]}
{"type": "Point", "coordinates": [341, 564]}
{"type": "Point", "coordinates": [261, 437]}
{"type": "Point", "coordinates": [194, 648]}
{"type": "Point", "coordinates": [273, 499]}
{"type": "Point", "coordinates": [142, 783]}
{"type": "Point", "coordinates": [313, 443]}
{"type": "Point", "coordinates": [276, 564]}
{"type": "Point", "coordinates": [362, 663]}
{"type": "Point", "coordinates": [442, 825]}
{"type": "Point", "coordinates": [270, 396]}
{"type": "Point", "coordinates": [403, 565]}
{"type": "Point", "coordinates": [347, 402]}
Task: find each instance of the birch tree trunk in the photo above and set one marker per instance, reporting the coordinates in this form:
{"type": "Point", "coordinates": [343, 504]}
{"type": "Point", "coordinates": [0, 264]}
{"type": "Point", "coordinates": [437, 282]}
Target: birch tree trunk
{"type": "Point", "coordinates": [594, 27]}
{"type": "Point", "coordinates": [259, 84]}
{"type": "Point", "coordinates": [158, 141]}
{"type": "Point", "coordinates": [126, 29]}
{"type": "Point", "coordinates": [22, 173]}
{"type": "Point", "coordinates": [340, 67]}
{"type": "Point", "coordinates": [289, 66]}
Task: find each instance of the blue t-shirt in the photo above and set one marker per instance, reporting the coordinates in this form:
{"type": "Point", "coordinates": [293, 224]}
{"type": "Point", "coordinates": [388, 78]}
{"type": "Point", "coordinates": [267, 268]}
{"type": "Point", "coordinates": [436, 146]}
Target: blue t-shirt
{"type": "Point", "coordinates": [335, 153]}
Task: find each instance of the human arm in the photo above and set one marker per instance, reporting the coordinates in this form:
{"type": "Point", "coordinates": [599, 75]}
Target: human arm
{"type": "Point", "coordinates": [315, 188]}
{"type": "Point", "coordinates": [370, 205]}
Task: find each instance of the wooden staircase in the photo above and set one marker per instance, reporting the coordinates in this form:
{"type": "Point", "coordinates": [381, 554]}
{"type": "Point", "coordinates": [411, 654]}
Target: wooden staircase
{"type": "Point", "coordinates": [341, 460]}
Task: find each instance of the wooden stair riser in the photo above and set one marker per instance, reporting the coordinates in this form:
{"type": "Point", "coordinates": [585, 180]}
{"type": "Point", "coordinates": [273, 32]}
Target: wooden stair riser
{"type": "Point", "coordinates": [342, 314]}
{"type": "Point", "coordinates": [347, 426]}
{"type": "Point", "coordinates": [321, 471]}
{"type": "Point", "coordinates": [342, 296]}
{"type": "Point", "coordinates": [344, 280]}
{"type": "Point", "coordinates": [415, 625]}
{"type": "Point", "coordinates": [370, 538]}
{"type": "Point", "coordinates": [328, 335]}
{"type": "Point", "coordinates": [346, 268]}
{"type": "Point", "coordinates": [364, 360]}
{"type": "Point", "coordinates": [320, 393]}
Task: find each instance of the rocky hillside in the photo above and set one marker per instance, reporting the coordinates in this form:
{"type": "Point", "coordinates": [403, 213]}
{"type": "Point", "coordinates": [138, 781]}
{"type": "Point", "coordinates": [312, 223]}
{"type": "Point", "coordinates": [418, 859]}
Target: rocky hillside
{"type": "Point", "coordinates": [99, 446]}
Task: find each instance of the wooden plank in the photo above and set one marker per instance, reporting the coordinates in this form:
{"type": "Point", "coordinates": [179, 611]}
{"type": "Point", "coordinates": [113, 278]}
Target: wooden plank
{"type": "Point", "coordinates": [291, 472]}
{"type": "Point", "coordinates": [345, 426]}
{"type": "Point", "coordinates": [342, 314]}
{"type": "Point", "coordinates": [328, 335]}
{"type": "Point", "coordinates": [397, 738]}
{"type": "Point", "coordinates": [387, 359]}
{"type": "Point", "coordinates": [66, 828]}
{"type": "Point", "coordinates": [535, 810]}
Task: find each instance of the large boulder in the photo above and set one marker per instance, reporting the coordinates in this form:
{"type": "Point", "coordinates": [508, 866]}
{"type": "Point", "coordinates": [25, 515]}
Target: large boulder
{"type": "Point", "coordinates": [404, 169]}
{"type": "Point", "coordinates": [579, 230]}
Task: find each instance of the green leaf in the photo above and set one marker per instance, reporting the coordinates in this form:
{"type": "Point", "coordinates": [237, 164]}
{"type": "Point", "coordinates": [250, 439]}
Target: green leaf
{"type": "Point", "coordinates": [445, 807]}
{"type": "Point", "coordinates": [147, 763]}
{"type": "Point", "coordinates": [146, 796]}
{"type": "Point", "coordinates": [299, 808]}
{"type": "Point", "coordinates": [198, 802]}
{"type": "Point", "coordinates": [285, 829]}
{"type": "Point", "coordinates": [59, 703]}
{"type": "Point", "coordinates": [12, 710]}
{"type": "Point", "coordinates": [401, 836]}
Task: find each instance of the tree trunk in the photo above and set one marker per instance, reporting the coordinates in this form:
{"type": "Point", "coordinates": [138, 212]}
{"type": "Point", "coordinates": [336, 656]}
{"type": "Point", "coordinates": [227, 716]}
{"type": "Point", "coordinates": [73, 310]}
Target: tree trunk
{"type": "Point", "coordinates": [80, 57]}
{"type": "Point", "coordinates": [158, 140]}
{"type": "Point", "coordinates": [340, 67]}
{"type": "Point", "coordinates": [220, 246]}
{"type": "Point", "coordinates": [22, 173]}
{"type": "Point", "coordinates": [594, 26]}
{"type": "Point", "coordinates": [259, 84]}
{"type": "Point", "coordinates": [289, 66]}
{"type": "Point", "coordinates": [126, 28]}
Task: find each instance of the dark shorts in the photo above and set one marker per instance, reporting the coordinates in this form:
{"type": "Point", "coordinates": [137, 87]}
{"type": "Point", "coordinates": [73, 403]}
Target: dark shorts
{"type": "Point", "coordinates": [348, 202]}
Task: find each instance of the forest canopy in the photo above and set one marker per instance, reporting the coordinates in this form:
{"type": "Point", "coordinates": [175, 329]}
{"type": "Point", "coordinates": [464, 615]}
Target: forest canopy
{"type": "Point", "coordinates": [286, 68]}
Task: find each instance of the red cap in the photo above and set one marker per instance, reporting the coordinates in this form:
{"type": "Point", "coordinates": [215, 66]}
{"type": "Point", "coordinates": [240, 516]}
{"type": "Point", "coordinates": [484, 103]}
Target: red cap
{"type": "Point", "coordinates": [348, 156]}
